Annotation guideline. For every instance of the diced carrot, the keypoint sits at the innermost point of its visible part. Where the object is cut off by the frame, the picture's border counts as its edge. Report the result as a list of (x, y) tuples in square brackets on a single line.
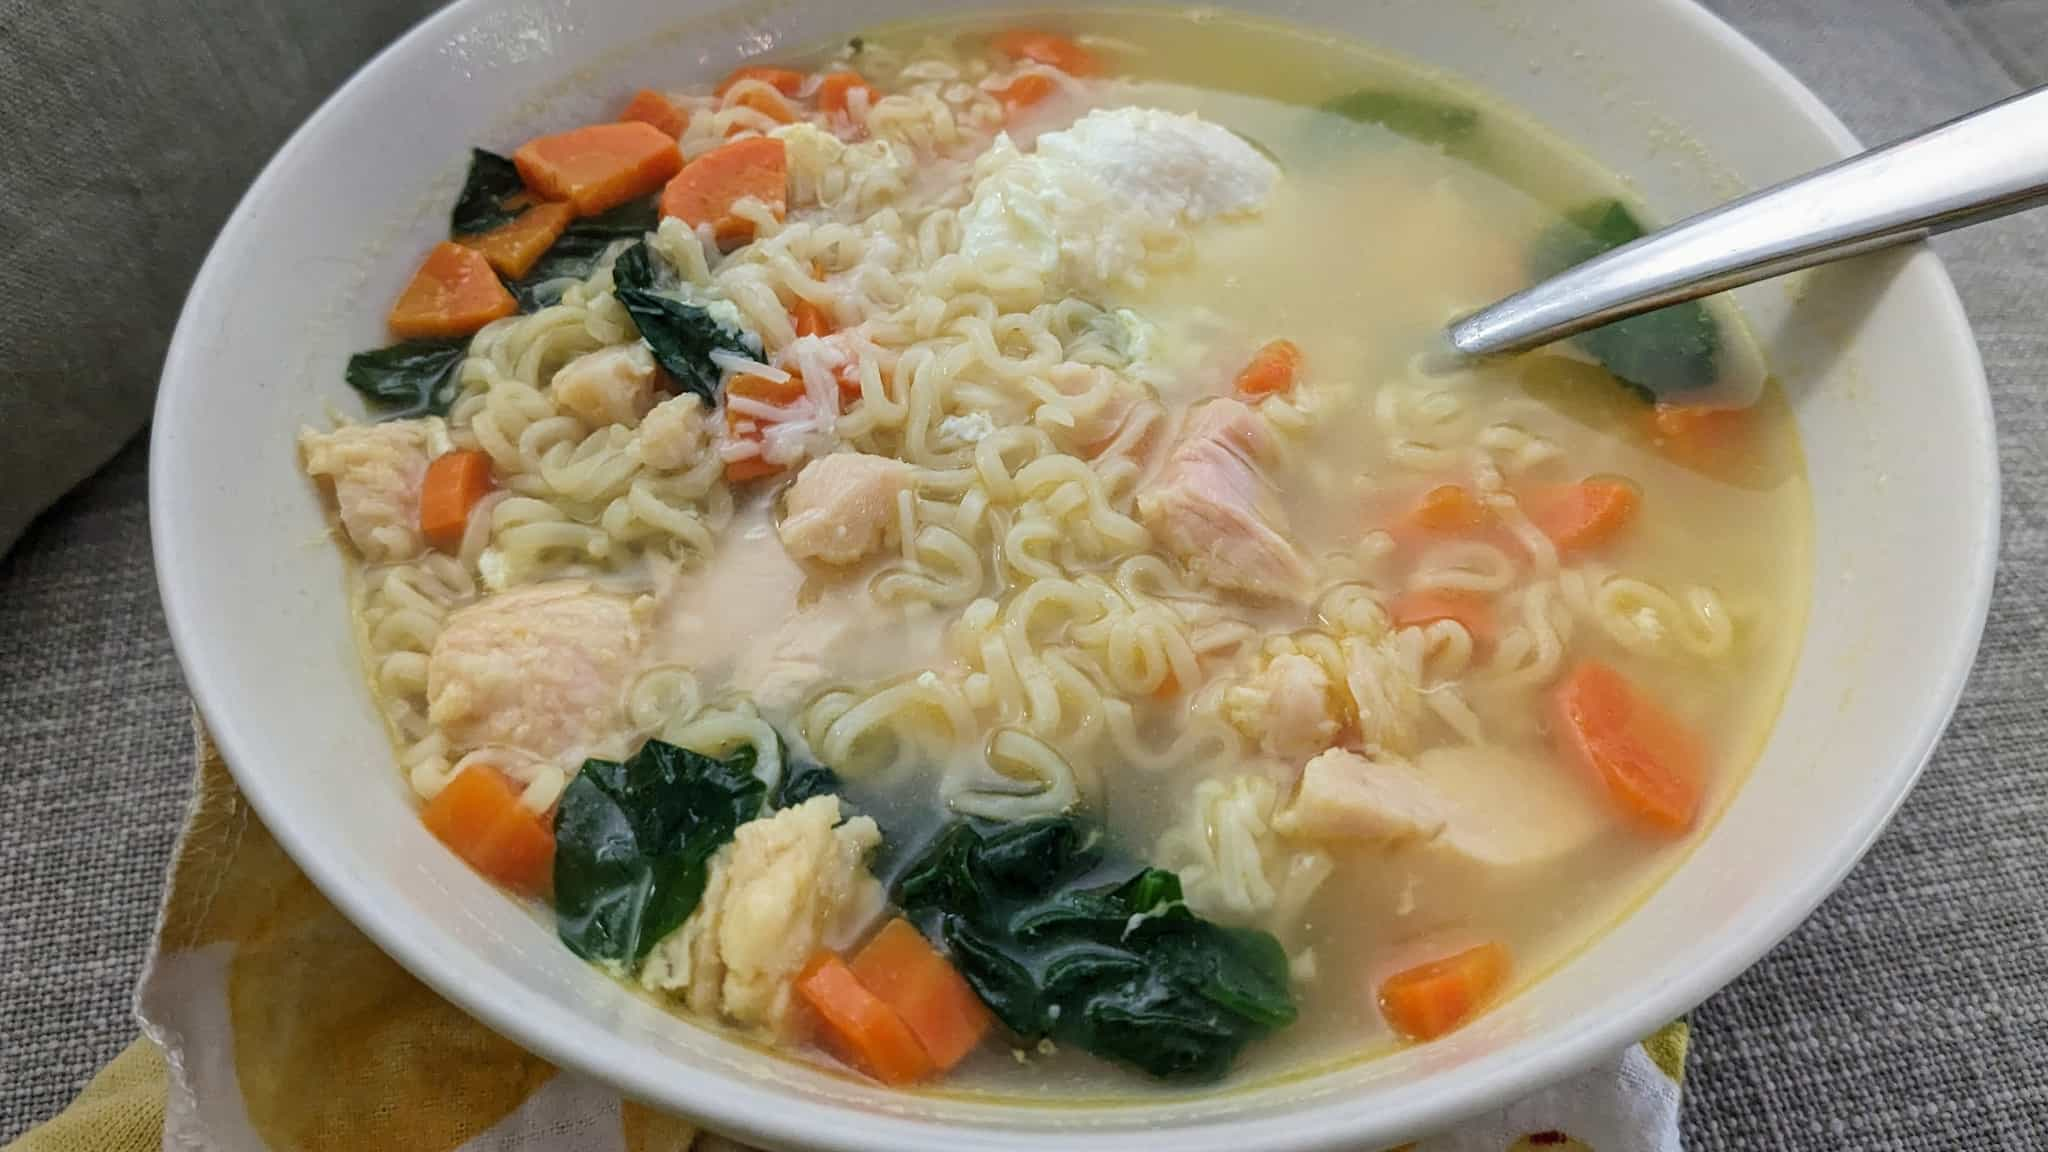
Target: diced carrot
[(479, 817), (1448, 510), (739, 426), (751, 468), (512, 248), (1428, 1000), (453, 294), (760, 389), (1583, 515), (1650, 765), (858, 1027), (1705, 439), (1427, 606), (1025, 91), (809, 319), (1272, 370), (707, 188), (902, 968), (1047, 48), (847, 375), (651, 107), (599, 166), (767, 104), (780, 393), (455, 481), (836, 89), (784, 80)]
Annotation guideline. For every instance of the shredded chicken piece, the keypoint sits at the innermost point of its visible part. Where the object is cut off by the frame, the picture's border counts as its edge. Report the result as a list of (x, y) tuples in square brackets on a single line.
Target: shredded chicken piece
[(608, 386), (542, 669), (1300, 716), (781, 890), (840, 508), (1384, 695), (672, 435), (1214, 506), (1344, 796), (1474, 806), (376, 470)]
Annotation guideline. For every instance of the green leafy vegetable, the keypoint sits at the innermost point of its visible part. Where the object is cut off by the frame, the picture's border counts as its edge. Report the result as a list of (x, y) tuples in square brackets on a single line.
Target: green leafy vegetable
[(414, 378), (1419, 118), (575, 254), (682, 335), (551, 275), (1057, 946), (1672, 350), (626, 222), (492, 195), (570, 260), (802, 780), (634, 841)]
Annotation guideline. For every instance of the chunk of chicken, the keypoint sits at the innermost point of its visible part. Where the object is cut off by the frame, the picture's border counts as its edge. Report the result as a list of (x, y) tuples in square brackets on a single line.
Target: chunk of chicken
[(1300, 714), (1470, 805), (787, 885), (376, 471), (672, 436), (609, 386), (745, 618), (1214, 506), (781, 667), (1385, 695), (542, 669), (1342, 796), (841, 506)]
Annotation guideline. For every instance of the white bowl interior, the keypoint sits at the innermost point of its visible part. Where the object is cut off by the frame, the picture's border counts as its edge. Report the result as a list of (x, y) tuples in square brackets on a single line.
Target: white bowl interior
[(1878, 357)]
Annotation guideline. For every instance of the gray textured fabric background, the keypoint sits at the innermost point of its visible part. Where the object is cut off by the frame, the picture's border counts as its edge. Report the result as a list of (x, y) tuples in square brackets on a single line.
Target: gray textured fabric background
[(143, 123), (1911, 1012)]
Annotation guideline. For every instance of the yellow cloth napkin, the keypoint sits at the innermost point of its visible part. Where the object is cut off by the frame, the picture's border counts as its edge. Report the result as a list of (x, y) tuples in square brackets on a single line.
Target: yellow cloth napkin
[(272, 1025)]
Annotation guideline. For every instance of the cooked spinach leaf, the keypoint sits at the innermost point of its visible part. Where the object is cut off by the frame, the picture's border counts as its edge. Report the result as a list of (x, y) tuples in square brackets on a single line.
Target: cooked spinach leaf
[(1419, 118), (550, 276), (626, 222), (682, 335), (802, 780), (491, 195), (1669, 351), (571, 259), (1057, 946), (636, 270), (634, 841), (575, 254), (415, 378)]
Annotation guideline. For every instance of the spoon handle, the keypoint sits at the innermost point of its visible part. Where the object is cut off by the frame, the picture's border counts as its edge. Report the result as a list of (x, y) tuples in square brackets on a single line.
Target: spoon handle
[(1981, 166)]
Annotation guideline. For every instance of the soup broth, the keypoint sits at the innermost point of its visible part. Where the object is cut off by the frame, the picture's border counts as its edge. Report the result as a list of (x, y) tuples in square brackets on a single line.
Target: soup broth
[(1049, 448)]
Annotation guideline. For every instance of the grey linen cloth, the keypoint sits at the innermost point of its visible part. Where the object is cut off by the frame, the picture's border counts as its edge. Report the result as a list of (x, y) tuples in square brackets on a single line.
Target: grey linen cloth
[(132, 129), (1909, 1013)]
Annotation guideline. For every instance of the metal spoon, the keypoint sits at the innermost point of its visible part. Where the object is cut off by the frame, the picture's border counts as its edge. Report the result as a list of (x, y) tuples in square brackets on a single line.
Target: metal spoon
[(1981, 166)]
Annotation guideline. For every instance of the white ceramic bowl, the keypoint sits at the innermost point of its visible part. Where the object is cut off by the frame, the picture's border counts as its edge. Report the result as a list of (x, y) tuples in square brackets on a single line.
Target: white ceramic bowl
[(1891, 404)]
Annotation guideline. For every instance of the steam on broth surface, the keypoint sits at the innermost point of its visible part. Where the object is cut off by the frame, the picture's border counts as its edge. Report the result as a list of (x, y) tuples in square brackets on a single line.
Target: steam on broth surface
[(939, 554)]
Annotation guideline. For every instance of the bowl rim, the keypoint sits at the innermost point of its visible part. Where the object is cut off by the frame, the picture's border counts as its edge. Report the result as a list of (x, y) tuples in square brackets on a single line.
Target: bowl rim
[(775, 1117)]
